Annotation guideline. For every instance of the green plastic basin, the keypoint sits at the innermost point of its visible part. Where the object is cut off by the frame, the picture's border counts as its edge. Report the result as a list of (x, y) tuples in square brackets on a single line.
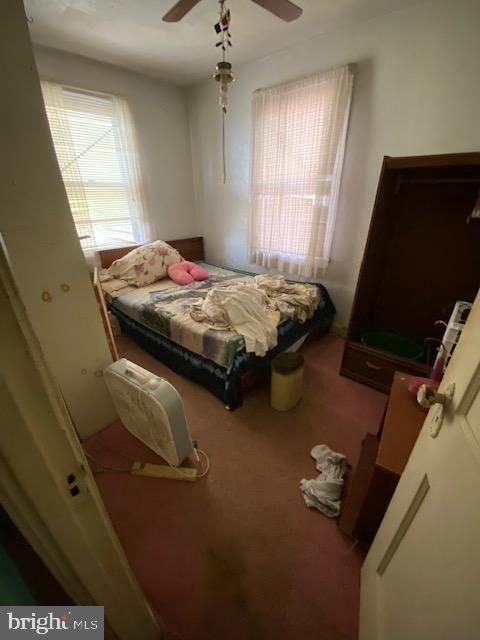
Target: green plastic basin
[(393, 343)]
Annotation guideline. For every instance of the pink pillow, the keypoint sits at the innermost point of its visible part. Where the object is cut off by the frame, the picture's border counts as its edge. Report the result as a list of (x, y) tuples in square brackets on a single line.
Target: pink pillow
[(186, 272)]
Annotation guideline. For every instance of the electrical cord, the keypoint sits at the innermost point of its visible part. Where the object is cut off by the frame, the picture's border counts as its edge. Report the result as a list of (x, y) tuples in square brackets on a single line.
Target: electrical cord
[(207, 463), (108, 468), (105, 468)]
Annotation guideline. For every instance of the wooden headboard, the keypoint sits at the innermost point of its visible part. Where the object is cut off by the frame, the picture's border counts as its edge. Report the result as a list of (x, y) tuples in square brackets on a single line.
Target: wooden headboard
[(190, 249)]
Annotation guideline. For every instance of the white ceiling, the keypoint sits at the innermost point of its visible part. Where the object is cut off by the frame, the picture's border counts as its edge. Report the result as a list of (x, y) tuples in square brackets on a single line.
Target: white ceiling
[(130, 33)]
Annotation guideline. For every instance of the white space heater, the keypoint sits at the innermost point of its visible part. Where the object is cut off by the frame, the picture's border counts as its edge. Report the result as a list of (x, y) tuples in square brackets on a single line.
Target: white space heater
[(151, 409)]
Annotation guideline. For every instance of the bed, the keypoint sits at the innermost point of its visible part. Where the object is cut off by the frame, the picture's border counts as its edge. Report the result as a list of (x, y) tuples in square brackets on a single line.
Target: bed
[(157, 318)]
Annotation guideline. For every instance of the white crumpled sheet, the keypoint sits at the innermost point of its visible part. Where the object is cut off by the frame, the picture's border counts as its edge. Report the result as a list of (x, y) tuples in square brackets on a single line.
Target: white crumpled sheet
[(324, 491)]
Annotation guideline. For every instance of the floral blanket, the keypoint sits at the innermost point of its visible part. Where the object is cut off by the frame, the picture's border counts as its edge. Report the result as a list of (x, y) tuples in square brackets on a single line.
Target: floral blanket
[(157, 318), (165, 307)]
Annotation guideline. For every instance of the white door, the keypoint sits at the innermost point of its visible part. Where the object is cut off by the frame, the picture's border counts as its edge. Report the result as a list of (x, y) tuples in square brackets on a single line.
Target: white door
[(47, 487), (421, 577)]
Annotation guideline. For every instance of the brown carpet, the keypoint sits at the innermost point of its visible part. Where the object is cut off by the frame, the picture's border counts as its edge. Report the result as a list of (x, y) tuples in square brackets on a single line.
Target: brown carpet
[(238, 555)]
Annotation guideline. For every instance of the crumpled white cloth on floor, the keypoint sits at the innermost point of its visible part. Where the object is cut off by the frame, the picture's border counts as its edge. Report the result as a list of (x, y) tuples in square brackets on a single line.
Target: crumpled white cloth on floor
[(324, 491)]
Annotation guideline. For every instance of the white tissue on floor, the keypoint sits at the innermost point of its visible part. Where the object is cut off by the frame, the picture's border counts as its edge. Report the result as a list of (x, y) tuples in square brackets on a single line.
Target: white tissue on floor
[(324, 492)]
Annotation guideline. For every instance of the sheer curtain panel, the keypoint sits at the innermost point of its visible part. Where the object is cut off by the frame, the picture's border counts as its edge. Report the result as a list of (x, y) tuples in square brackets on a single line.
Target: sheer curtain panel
[(298, 141), (96, 151)]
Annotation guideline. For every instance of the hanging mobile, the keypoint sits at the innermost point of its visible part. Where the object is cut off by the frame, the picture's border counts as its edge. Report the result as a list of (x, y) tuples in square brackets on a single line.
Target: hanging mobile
[(223, 71)]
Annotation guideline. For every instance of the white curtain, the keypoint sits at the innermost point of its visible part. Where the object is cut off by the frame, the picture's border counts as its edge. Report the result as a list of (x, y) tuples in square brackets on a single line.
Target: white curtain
[(298, 140), (96, 151)]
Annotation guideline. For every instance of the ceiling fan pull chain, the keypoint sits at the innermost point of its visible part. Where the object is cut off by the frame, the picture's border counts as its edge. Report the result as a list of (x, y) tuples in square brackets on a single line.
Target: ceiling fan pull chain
[(223, 72), (224, 161)]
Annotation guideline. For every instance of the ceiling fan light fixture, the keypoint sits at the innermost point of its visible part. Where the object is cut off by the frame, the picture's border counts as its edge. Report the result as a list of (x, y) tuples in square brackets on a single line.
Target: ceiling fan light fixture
[(224, 76), (284, 9), (223, 71)]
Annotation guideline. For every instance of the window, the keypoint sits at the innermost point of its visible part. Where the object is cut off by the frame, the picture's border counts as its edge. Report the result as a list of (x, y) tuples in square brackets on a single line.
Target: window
[(298, 140), (93, 139)]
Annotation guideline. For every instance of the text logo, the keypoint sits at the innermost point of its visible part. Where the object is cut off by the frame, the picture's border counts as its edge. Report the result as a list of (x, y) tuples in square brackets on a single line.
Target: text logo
[(57, 622)]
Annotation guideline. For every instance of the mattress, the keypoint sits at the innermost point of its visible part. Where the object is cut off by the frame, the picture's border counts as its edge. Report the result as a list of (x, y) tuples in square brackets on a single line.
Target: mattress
[(164, 307), (144, 315)]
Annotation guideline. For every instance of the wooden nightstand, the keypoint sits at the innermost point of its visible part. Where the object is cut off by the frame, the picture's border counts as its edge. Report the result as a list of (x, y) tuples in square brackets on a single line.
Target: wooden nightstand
[(382, 461)]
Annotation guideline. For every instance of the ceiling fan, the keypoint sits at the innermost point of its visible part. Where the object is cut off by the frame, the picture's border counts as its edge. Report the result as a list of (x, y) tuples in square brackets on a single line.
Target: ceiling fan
[(284, 9)]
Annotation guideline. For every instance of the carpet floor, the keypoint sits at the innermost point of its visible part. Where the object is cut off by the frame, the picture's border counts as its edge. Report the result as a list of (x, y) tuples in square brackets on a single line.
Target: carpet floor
[(237, 555)]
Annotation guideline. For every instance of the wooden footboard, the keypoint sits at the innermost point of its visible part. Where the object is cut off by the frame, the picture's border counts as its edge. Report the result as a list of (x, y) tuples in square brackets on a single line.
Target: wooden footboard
[(104, 313)]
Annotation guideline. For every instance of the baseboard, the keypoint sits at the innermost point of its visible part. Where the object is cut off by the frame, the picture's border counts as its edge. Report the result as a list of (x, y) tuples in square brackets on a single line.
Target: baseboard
[(339, 330)]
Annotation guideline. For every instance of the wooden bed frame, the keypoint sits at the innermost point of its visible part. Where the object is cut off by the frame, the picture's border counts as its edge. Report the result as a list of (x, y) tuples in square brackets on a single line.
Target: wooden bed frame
[(190, 249)]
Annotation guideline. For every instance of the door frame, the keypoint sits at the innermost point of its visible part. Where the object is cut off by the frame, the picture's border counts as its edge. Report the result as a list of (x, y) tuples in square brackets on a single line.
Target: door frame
[(39, 450)]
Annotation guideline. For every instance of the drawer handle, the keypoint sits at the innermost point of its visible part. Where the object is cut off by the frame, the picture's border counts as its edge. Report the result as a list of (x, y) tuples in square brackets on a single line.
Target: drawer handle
[(375, 367)]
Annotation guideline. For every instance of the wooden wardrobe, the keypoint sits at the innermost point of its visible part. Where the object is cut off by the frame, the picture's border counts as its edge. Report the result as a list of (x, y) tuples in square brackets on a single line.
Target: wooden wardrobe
[(422, 255)]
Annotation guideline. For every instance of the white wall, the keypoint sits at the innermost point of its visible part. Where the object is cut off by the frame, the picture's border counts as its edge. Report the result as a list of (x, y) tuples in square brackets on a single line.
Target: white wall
[(41, 240), (417, 91), (159, 111)]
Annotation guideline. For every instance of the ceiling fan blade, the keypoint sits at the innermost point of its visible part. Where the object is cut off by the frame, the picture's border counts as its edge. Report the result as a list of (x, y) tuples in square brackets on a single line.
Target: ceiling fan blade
[(179, 10), (284, 9)]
